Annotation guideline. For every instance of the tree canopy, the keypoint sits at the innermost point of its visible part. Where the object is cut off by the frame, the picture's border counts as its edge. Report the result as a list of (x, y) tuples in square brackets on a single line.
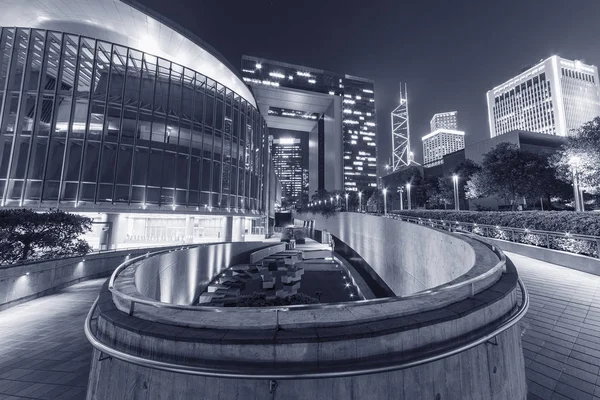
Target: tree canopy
[(29, 235), (582, 154)]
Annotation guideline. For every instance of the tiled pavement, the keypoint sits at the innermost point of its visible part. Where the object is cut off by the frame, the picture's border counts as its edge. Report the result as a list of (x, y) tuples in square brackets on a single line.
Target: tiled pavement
[(44, 353), (561, 342)]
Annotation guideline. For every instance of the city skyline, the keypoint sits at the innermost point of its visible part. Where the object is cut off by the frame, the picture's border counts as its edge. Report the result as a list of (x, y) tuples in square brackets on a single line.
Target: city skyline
[(452, 57)]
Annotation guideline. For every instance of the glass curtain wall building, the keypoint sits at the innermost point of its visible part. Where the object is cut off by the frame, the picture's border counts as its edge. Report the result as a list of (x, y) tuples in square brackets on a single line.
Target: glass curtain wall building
[(138, 118), (554, 97)]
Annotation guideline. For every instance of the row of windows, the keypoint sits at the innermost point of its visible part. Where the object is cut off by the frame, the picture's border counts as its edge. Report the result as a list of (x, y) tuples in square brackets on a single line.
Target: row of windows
[(83, 116), (578, 75)]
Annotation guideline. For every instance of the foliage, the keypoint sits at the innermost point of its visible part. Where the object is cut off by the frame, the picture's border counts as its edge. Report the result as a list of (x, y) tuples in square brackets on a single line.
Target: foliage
[(511, 173), (562, 222), (465, 171), (438, 191), (29, 235), (322, 203), (582, 152), (375, 201), (258, 299), (584, 223)]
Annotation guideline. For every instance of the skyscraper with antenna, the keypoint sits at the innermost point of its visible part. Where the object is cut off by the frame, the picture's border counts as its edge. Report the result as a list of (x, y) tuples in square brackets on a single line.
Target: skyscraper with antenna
[(401, 132)]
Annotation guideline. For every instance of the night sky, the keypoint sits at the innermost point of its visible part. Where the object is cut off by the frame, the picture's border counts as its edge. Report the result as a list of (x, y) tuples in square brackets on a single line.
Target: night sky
[(449, 52)]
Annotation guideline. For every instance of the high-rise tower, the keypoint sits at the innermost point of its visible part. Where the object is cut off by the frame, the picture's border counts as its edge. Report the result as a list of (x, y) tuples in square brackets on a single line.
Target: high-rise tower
[(401, 132)]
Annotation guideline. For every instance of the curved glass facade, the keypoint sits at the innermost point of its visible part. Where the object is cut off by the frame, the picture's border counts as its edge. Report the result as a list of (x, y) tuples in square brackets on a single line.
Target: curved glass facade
[(88, 123)]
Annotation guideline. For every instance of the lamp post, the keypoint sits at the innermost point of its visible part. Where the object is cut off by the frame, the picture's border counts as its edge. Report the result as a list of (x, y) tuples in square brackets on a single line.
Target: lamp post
[(574, 162), (359, 201), (401, 191), (337, 200), (347, 202), (384, 201), (408, 195), (455, 181)]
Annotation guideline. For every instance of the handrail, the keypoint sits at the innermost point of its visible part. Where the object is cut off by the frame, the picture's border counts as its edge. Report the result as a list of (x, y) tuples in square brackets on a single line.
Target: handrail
[(512, 230), (137, 300), (336, 372)]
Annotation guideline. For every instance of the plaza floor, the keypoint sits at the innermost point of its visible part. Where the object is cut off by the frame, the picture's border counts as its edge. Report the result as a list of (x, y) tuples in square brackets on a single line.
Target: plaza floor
[(44, 353)]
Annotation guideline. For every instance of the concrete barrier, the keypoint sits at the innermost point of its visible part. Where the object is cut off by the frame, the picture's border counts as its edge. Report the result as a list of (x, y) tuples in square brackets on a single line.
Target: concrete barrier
[(408, 257), (563, 258), (24, 282), (301, 342)]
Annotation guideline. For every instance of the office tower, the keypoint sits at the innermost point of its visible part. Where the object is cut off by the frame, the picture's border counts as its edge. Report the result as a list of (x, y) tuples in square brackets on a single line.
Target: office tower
[(336, 111), (439, 143), (555, 97), (446, 120), (288, 152), (401, 154)]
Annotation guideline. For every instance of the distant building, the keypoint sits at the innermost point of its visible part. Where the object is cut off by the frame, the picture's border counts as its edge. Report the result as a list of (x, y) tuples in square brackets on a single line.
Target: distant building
[(446, 120), (554, 97), (288, 152), (439, 143), (335, 111)]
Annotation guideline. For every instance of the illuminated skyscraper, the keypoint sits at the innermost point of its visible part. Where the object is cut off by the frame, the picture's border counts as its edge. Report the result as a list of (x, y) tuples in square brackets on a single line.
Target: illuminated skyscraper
[(555, 97), (288, 152), (337, 111), (446, 120)]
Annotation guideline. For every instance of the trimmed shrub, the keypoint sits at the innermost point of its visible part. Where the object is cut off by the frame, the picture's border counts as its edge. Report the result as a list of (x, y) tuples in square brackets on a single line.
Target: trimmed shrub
[(560, 222)]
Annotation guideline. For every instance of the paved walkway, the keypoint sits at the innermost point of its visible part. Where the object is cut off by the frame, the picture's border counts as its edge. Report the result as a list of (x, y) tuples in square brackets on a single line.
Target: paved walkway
[(561, 342), (43, 351)]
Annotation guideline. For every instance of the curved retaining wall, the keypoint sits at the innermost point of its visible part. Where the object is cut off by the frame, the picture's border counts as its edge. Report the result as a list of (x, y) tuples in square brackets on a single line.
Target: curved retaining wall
[(23, 282), (281, 350), (407, 257), (180, 277)]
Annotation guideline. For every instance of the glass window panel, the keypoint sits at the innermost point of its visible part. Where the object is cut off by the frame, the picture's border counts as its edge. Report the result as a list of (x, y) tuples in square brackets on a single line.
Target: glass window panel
[(37, 158), (36, 54), (86, 60), (121, 193), (44, 115), (113, 121), (55, 159), (138, 194), (90, 161), (206, 170), (28, 113), (195, 173), (108, 163), (69, 191), (33, 190), (79, 118), (105, 192), (168, 169), (193, 197), (140, 165), (152, 195), (99, 87), (88, 192), (17, 68), (73, 160), (6, 46), (53, 48), (69, 62), (216, 187), (10, 113), (63, 115), (182, 171), (51, 189), (124, 164), (155, 168), (219, 120), (209, 117)]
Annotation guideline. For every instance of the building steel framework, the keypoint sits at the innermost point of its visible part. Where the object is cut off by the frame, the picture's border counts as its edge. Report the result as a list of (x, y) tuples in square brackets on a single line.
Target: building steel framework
[(401, 132)]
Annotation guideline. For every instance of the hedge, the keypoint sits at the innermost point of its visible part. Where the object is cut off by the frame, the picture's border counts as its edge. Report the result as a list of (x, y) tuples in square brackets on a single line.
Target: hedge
[(583, 223)]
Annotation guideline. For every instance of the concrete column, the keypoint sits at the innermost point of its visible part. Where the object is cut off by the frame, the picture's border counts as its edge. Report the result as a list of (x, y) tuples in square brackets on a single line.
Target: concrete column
[(189, 229), (228, 229), (116, 232)]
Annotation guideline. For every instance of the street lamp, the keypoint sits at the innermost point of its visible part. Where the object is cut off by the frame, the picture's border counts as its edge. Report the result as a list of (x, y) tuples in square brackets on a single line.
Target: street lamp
[(408, 195), (574, 163), (384, 201), (359, 201), (337, 200), (347, 201), (401, 191), (455, 181)]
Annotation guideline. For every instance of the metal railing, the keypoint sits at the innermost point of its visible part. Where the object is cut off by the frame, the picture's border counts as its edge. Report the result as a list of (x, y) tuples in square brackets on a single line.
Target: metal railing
[(552, 240), (261, 372)]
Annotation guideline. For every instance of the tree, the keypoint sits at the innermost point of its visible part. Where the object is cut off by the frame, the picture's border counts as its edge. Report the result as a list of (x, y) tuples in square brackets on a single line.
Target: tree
[(375, 201), (581, 153), (478, 186), (465, 170), (26, 235), (438, 191)]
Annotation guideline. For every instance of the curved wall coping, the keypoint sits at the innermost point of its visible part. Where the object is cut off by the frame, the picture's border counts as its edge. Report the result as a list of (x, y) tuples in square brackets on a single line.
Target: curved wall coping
[(490, 263)]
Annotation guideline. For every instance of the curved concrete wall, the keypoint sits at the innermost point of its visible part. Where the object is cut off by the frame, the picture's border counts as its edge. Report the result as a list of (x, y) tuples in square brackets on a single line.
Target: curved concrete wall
[(23, 282), (180, 277), (352, 336), (408, 257)]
